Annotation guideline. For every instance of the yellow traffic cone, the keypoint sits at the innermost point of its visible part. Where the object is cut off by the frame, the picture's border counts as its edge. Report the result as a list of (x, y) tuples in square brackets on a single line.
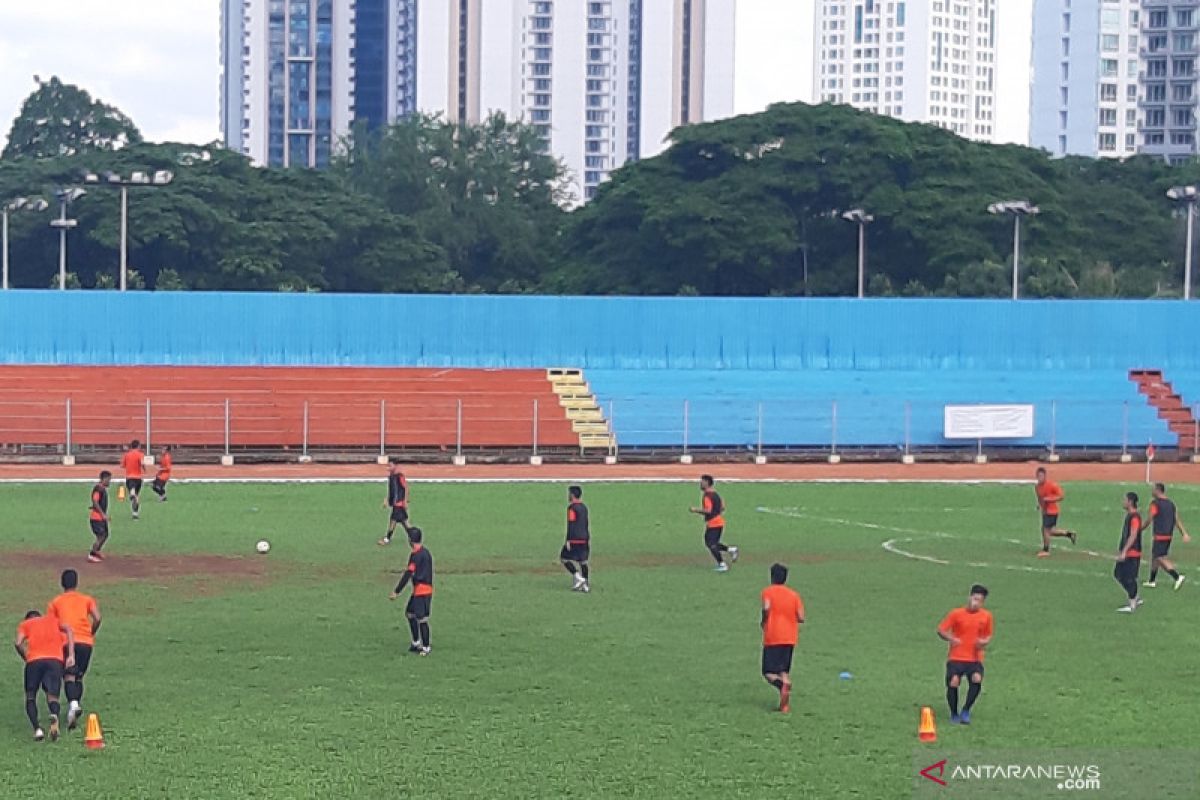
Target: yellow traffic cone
[(121, 493), (927, 730), (93, 738)]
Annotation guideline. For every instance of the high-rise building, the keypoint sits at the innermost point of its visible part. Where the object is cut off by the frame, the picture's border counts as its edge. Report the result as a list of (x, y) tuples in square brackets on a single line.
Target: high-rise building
[(1084, 99), (1170, 52), (602, 81), (929, 61)]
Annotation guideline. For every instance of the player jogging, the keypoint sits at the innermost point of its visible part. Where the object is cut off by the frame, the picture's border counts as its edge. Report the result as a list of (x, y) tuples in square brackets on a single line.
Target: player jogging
[(81, 614), (420, 572), (39, 643), (131, 462), (1049, 495), (1164, 518), (163, 475), (397, 500), (712, 508), (969, 632), (1129, 554), (782, 616), (98, 515), (575, 552)]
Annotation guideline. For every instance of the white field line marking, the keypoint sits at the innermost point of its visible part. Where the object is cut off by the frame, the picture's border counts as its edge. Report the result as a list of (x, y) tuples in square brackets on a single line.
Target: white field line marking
[(613, 479)]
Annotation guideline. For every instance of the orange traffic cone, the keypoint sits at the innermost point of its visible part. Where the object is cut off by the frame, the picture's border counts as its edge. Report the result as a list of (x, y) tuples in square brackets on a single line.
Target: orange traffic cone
[(120, 493), (93, 738), (927, 730)]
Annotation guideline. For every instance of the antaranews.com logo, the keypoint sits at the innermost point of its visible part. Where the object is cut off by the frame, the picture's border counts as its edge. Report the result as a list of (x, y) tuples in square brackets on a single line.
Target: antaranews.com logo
[(1065, 777)]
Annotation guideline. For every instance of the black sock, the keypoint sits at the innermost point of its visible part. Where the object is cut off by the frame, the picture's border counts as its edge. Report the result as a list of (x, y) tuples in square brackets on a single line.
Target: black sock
[(777, 683), (952, 699), (74, 691), (570, 567), (972, 695), (1173, 573), (412, 626), (31, 711), (54, 707), (1153, 574), (716, 553), (425, 634), (722, 547), (583, 570)]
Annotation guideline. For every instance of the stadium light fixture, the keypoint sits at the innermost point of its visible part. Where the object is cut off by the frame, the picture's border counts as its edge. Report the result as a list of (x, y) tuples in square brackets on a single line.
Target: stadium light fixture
[(140, 178), (862, 219), (65, 196), (16, 204), (1187, 195), (1018, 209)]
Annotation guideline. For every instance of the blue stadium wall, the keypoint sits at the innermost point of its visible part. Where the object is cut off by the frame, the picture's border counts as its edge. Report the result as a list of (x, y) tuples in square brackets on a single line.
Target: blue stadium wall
[(98, 327)]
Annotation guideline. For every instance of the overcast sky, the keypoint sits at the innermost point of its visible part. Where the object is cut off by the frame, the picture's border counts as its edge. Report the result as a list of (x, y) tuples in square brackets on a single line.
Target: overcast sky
[(158, 60)]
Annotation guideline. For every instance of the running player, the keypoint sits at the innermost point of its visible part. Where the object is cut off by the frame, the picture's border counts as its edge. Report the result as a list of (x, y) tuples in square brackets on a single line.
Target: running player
[(81, 614), (575, 552), (397, 500), (1129, 554), (1049, 495), (40, 644), (131, 462), (98, 516), (420, 572), (969, 632), (163, 475), (712, 508), (782, 616), (1165, 518)]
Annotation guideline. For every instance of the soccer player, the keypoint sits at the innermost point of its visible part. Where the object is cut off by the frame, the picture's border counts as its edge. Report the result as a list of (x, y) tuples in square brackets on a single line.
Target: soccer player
[(163, 475), (1129, 554), (712, 508), (397, 500), (39, 643), (99, 516), (969, 632), (1165, 519), (1049, 495), (420, 572), (575, 552), (782, 616), (131, 462), (81, 614)]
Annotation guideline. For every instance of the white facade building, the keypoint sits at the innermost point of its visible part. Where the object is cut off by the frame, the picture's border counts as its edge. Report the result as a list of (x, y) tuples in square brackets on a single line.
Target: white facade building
[(929, 61)]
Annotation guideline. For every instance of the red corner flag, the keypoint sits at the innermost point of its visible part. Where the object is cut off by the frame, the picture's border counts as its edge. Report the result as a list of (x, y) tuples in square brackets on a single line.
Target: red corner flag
[(1150, 452)]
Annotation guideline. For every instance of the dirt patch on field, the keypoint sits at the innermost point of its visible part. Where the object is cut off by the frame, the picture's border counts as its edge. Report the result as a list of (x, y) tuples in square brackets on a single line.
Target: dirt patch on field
[(637, 561), (195, 574)]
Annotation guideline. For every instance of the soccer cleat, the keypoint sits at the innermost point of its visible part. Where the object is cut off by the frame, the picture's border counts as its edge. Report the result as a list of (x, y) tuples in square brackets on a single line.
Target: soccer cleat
[(73, 713), (578, 583), (785, 698), (733, 554), (424, 651), (955, 719), (1126, 609), (964, 718), (53, 728), (1073, 536), (1137, 602), (94, 559), (384, 542), (722, 567), (415, 647), (1179, 581), (1043, 553), (1150, 584), (39, 735), (585, 587)]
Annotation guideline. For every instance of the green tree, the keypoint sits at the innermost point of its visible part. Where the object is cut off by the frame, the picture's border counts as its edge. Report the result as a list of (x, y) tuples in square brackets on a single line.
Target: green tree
[(60, 119)]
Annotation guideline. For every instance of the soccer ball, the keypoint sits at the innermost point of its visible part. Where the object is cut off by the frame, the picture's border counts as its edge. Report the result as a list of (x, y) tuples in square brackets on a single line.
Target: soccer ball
[(263, 547)]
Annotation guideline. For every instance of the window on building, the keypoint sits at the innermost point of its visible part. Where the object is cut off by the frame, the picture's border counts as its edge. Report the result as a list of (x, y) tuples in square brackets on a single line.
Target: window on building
[(1183, 67), (1130, 142), (1108, 142), (1181, 92), (1109, 43), (1110, 18), (1130, 117), (1108, 117), (1108, 92), (1184, 18), (1131, 92), (1157, 19), (1182, 118), (1108, 67), (1184, 42)]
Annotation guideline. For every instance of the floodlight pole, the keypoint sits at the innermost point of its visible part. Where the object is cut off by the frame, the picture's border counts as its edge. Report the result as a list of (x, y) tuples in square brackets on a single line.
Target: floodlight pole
[(1016, 279)]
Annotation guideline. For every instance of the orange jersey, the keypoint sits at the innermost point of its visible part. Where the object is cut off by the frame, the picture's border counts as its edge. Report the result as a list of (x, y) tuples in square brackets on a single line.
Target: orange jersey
[(968, 627), (164, 468), (714, 510), (131, 462), (1048, 495), (74, 608), (43, 638), (784, 610)]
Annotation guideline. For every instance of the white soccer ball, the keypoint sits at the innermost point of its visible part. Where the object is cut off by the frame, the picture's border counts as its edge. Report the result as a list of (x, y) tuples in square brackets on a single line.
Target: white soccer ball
[(263, 546)]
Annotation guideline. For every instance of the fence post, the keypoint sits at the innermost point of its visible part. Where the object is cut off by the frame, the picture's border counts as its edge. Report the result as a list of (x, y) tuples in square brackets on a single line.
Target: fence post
[(834, 458), (383, 431), (1125, 457), (1196, 434), (458, 456), (227, 458), (759, 458), (68, 459), (535, 459), (304, 457), (907, 458), (147, 425), (611, 458), (1053, 431), (686, 458)]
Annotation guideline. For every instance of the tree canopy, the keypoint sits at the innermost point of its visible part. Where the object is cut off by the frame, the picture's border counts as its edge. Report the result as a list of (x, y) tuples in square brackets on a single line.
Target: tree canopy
[(60, 119)]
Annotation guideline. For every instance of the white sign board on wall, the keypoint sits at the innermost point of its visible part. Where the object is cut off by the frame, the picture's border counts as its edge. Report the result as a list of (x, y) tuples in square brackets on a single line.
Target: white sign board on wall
[(989, 422)]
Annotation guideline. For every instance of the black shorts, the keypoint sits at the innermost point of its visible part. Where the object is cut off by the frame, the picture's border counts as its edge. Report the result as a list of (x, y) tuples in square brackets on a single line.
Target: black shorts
[(99, 527), (712, 536), (1127, 569), (575, 552), (399, 514), (1049, 521), (45, 674), (159, 484), (419, 607), (1161, 549), (133, 484), (777, 658), (963, 669), (83, 658)]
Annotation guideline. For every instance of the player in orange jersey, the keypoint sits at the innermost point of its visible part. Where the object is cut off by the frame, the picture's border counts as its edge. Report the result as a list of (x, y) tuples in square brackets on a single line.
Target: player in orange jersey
[(165, 462), (45, 644), (969, 632), (1049, 495), (132, 462), (782, 616), (712, 508), (81, 614)]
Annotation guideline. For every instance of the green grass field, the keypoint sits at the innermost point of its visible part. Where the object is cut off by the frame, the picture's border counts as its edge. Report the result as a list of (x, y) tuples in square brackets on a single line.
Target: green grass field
[(296, 682)]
